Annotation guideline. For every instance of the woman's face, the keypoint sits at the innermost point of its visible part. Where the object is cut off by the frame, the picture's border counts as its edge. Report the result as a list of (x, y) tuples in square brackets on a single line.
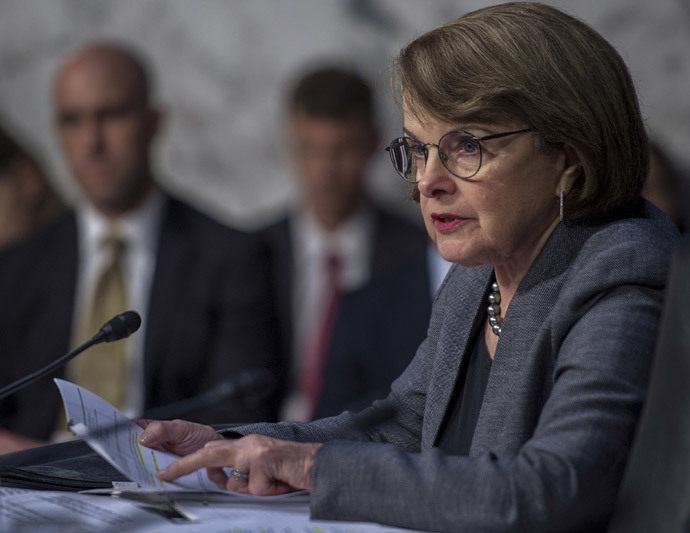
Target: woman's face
[(502, 215)]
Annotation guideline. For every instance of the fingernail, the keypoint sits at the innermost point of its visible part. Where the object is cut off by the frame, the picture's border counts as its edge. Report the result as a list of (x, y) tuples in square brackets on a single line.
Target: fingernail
[(144, 438), (161, 473)]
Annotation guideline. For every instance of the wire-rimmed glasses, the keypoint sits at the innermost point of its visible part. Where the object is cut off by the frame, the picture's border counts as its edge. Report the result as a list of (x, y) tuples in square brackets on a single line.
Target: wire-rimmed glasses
[(459, 151)]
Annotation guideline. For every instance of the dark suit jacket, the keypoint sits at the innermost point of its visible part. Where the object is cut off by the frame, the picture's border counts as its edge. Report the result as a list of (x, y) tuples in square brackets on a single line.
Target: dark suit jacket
[(395, 241), (377, 333), (210, 315), (563, 397)]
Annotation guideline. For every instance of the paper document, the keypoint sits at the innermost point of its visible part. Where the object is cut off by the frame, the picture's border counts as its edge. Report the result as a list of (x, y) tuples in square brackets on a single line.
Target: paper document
[(33, 511), (116, 438), (23, 510)]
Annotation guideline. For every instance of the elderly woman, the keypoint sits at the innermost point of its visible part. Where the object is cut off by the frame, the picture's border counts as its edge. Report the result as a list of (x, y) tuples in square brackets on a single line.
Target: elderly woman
[(523, 135)]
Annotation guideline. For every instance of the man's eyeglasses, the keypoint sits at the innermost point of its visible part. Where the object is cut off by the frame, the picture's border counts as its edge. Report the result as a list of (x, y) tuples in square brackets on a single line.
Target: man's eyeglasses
[(459, 151)]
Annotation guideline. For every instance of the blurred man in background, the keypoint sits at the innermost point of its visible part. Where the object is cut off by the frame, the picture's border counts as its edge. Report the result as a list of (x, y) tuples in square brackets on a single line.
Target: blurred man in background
[(200, 287), (337, 238), (379, 328), (27, 200)]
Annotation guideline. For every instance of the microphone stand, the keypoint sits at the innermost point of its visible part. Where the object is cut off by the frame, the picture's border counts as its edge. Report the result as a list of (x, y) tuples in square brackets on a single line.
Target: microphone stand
[(118, 327), (21, 383)]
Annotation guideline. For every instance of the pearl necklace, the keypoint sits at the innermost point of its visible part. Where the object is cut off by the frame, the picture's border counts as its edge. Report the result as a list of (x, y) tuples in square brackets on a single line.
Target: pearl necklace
[(494, 309)]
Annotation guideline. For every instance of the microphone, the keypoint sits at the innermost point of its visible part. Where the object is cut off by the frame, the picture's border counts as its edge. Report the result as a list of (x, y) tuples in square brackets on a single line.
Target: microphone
[(118, 327), (243, 384)]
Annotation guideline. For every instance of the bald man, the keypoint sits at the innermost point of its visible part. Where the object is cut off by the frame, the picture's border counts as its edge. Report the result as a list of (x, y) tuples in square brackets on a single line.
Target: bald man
[(199, 286)]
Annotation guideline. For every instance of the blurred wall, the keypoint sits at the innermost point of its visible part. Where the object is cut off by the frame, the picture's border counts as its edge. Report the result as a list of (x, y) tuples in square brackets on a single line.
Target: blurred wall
[(221, 68)]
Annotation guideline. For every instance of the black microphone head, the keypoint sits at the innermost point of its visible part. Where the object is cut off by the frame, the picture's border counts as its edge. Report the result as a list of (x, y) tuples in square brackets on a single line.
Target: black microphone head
[(119, 327)]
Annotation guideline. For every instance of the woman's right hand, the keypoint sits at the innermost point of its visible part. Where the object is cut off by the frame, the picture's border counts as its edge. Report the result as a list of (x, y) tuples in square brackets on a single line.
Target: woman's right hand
[(176, 436)]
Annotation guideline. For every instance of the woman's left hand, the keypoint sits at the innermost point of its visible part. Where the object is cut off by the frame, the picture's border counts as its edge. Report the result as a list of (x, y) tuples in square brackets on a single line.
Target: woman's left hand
[(273, 466)]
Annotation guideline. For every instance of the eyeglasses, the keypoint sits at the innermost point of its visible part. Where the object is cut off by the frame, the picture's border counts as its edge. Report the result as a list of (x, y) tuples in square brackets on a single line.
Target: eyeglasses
[(459, 151)]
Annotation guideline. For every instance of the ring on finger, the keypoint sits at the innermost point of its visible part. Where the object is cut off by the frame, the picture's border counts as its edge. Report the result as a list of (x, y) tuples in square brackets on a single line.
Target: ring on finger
[(239, 475)]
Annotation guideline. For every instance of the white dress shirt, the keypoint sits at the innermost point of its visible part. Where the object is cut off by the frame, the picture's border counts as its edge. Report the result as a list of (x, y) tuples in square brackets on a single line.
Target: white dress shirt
[(140, 229)]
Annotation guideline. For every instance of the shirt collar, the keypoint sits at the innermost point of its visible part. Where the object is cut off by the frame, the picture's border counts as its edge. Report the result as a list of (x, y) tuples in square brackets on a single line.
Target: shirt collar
[(344, 239), (139, 227)]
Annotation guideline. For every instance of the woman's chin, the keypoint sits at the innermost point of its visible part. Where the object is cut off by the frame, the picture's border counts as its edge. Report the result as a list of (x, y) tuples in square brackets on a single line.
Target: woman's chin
[(454, 255)]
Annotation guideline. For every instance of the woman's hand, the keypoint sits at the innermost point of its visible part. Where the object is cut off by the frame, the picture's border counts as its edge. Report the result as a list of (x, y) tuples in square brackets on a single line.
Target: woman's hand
[(273, 466), (177, 436)]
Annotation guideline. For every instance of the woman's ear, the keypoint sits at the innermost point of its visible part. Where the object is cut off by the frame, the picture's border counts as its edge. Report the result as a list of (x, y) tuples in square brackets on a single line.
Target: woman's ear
[(572, 170)]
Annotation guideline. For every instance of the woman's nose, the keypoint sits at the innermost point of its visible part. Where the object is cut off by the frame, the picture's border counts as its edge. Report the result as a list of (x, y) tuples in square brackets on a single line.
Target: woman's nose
[(435, 178)]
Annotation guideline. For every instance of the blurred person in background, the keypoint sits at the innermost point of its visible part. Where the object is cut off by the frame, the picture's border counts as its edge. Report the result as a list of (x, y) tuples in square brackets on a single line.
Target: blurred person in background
[(378, 331), (27, 200), (201, 288), (337, 238)]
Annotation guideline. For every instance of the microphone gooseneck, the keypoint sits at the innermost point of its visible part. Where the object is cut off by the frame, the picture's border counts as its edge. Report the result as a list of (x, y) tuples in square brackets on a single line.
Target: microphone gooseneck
[(119, 327)]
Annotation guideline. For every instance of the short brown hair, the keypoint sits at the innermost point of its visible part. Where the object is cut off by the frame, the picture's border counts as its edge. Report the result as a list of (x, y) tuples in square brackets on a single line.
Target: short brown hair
[(332, 92), (533, 64)]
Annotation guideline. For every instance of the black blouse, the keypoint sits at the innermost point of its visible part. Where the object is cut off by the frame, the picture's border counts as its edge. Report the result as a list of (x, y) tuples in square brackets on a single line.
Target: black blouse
[(461, 418)]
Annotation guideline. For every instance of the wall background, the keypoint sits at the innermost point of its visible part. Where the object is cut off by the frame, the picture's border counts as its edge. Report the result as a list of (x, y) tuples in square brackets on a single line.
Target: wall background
[(221, 68)]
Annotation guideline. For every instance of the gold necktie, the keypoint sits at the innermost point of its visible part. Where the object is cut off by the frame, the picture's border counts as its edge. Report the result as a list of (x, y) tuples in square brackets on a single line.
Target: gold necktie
[(102, 369)]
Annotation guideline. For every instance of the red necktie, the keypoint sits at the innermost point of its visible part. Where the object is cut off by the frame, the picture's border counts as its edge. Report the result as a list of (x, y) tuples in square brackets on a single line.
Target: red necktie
[(311, 376)]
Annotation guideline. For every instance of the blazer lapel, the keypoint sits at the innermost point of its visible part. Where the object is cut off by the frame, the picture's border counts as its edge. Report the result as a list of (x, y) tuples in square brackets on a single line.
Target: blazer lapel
[(519, 358), (464, 304), (168, 273)]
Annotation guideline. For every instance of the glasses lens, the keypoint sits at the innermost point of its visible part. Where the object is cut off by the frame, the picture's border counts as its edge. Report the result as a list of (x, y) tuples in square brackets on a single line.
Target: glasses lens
[(460, 153), (404, 158)]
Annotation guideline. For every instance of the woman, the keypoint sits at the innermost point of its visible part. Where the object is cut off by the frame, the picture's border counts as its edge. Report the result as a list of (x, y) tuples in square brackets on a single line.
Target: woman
[(523, 134)]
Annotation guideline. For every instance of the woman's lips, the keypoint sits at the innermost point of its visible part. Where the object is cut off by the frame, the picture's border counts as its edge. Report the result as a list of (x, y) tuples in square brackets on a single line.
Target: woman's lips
[(446, 221)]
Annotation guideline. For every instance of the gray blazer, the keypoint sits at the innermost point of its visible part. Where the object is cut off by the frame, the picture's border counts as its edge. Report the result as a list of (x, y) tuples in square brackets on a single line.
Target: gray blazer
[(565, 390)]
